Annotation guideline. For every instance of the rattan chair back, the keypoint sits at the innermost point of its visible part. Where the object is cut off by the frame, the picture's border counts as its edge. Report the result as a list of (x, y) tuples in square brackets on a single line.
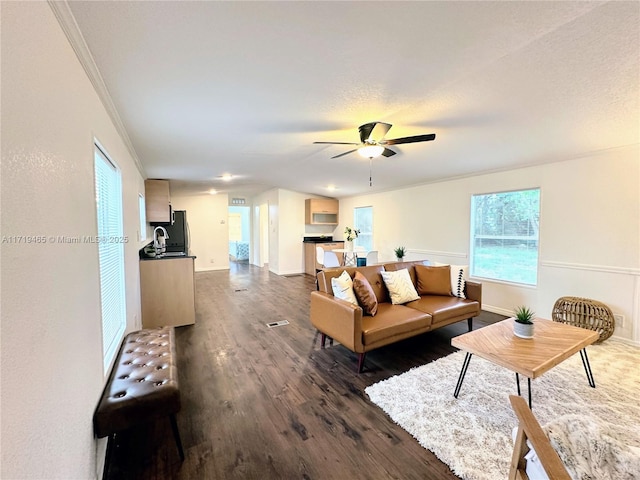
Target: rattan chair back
[(585, 313)]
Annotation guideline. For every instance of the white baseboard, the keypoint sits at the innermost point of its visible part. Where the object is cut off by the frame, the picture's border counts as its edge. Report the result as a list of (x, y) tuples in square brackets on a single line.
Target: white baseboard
[(210, 269), (498, 310)]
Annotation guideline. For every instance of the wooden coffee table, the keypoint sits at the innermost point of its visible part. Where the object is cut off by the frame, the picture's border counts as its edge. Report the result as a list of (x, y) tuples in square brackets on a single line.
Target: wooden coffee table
[(552, 343)]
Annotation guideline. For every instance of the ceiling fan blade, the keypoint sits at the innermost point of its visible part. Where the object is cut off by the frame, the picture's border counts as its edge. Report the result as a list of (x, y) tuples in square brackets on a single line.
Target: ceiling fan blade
[(388, 152), (336, 143), (345, 153), (414, 139), (373, 131)]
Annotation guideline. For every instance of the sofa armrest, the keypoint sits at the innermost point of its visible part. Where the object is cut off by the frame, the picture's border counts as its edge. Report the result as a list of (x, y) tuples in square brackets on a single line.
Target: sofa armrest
[(473, 291), (339, 319)]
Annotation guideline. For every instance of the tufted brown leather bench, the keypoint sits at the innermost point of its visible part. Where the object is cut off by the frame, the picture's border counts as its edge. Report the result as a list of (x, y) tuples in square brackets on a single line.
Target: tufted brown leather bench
[(142, 387)]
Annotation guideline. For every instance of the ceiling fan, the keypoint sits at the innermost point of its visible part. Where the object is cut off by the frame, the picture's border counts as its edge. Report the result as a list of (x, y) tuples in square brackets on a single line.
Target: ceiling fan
[(373, 144)]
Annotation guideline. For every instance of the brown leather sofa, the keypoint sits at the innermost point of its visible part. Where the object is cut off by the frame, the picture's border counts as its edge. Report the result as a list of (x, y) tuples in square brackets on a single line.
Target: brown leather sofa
[(346, 323)]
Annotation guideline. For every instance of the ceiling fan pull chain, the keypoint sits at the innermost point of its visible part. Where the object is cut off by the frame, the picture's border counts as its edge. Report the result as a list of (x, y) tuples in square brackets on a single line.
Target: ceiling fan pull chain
[(370, 182)]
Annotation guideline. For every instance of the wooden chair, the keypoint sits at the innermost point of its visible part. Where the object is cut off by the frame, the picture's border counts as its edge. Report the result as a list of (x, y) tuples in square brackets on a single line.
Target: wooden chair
[(529, 429)]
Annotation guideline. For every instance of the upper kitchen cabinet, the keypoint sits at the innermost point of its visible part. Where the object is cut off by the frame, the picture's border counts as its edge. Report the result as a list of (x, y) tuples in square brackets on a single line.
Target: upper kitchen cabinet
[(158, 201), (321, 211)]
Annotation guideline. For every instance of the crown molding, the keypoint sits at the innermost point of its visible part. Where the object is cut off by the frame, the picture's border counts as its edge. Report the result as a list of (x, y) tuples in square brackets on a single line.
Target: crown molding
[(70, 28)]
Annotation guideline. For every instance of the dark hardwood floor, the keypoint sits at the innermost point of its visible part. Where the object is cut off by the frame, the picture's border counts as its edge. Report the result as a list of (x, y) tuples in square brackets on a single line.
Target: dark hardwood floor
[(268, 403)]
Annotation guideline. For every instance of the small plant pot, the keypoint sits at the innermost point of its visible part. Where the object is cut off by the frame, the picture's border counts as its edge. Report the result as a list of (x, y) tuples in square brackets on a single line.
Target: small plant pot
[(523, 330), (399, 259)]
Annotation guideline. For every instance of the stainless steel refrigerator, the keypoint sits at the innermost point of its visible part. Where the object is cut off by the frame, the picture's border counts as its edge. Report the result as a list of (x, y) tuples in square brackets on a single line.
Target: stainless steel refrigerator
[(178, 231)]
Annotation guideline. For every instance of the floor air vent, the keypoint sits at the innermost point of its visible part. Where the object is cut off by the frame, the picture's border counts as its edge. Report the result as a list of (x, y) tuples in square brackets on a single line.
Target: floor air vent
[(278, 324)]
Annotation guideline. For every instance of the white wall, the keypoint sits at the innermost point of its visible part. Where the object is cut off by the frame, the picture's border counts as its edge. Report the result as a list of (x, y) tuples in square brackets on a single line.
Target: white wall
[(589, 230), (292, 230), (51, 348), (209, 228), (286, 230), (270, 199)]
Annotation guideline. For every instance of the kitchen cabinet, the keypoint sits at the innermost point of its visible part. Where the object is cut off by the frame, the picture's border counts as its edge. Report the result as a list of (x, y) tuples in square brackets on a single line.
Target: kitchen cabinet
[(158, 201), (167, 292), (310, 261), (321, 211)]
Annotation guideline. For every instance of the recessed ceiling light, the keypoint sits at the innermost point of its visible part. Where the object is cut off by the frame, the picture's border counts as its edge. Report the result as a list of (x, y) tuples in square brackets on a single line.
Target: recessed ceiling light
[(331, 188), (212, 191), (227, 177)]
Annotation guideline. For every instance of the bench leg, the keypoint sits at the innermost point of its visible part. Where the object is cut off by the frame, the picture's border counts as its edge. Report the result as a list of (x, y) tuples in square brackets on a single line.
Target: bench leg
[(176, 435), (107, 457)]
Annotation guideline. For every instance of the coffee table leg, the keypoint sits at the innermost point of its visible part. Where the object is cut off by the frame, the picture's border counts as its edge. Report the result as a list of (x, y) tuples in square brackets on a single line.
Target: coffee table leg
[(528, 385), (465, 365), (587, 367)]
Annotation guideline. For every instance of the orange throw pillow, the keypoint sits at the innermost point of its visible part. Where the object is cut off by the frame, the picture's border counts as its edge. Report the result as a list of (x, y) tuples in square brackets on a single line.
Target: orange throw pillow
[(365, 295), (433, 280)]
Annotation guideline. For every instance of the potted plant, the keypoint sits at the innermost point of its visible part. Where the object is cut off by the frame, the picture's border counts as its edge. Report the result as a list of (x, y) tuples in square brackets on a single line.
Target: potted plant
[(400, 251), (352, 234), (523, 324)]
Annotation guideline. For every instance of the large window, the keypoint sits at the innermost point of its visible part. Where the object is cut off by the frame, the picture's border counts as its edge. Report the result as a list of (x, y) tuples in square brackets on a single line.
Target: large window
[(111, 254), (363, 221), (504, 236)]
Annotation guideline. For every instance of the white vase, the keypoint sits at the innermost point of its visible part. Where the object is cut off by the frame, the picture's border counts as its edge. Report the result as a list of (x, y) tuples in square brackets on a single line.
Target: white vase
[(523, 330), (349, 246)]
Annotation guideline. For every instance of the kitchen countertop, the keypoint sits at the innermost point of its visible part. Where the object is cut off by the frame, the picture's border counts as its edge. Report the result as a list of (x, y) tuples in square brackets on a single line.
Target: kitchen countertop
[(319, 240), (168, 258)]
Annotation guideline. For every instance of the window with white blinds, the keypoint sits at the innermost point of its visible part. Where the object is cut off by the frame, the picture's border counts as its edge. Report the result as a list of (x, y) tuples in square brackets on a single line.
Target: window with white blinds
[(111, 252)]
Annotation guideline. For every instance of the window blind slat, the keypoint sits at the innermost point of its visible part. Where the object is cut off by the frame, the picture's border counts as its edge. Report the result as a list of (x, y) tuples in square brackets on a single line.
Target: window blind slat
[(111, 254)]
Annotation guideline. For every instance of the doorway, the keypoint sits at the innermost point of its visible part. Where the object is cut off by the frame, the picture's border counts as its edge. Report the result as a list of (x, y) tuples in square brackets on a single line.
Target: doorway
[(239, 234)]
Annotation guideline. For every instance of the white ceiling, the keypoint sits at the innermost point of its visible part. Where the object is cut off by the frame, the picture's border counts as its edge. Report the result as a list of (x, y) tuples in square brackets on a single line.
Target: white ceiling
[(207, 88)]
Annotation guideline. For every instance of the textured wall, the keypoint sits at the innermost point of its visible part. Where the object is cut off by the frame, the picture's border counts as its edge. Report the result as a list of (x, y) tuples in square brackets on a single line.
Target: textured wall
[(589, 230), (207, 216), (52, 372)]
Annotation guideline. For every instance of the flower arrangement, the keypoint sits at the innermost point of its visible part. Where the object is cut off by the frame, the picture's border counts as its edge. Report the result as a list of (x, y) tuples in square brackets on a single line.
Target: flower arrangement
[(351, 233)]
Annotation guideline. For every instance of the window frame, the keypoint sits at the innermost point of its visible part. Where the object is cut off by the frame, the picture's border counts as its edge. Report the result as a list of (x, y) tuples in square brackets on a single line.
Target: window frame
[(506, 259), (358, 242), (110, 243), (142, 212)]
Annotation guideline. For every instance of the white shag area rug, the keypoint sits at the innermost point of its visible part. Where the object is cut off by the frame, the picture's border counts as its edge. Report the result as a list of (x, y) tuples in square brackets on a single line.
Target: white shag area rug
[(472, 434)]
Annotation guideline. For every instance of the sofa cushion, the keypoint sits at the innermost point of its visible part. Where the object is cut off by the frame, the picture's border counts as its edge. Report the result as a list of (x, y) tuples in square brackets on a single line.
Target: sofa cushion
[(365, 294), (343, 288), (400, 286), (459, 276), (370, 272), (392, 320), (443, 308), (433, 280), (395, 266)]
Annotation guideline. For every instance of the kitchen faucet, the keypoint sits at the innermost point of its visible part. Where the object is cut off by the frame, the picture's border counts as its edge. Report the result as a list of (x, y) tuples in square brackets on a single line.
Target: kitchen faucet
[(156, 243)]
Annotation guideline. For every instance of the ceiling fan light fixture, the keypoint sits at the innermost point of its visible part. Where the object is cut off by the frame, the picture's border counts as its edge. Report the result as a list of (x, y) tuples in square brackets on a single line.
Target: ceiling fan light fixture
[(371, 151)]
